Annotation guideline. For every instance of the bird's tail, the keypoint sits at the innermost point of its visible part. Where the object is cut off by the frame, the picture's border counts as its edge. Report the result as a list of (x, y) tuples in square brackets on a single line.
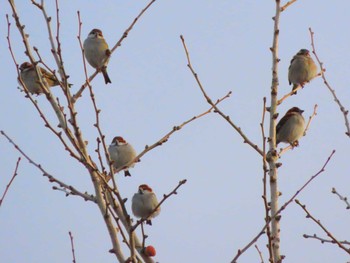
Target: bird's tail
[(127, 173), (105, 75), (295, 86)]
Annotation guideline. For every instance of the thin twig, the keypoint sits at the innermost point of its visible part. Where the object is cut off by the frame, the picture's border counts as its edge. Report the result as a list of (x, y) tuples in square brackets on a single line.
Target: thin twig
[(262, 231), (144, 236), (72, 245), (310, 119), (288, 95), (260, 254), (166, 137), (343, 198), (98, 151), (56, 51), (117, 220), (318, 222), (287, 4), (118, 44), (217, 110), (323, 240), (265, 171), (323, 70), (51, 178), (9, 184)]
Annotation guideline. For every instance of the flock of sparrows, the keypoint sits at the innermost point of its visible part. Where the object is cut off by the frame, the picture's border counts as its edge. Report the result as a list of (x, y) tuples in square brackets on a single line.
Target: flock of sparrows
[(302, 70), (289, 129), (144, 202), (96, 52)]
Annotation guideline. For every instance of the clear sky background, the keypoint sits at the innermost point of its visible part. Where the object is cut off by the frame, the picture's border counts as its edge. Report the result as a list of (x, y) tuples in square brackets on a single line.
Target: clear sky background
[(220, 208)]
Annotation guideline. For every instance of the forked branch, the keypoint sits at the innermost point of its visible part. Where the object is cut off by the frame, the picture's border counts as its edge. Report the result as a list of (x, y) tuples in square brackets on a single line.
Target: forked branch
[(262, 231), (318, 222), (210, 101)]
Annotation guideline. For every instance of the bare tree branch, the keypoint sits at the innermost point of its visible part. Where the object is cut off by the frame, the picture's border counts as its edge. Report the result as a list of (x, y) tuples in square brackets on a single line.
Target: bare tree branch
[(55, 49), (54, 103), (72, 190), (262, 231), (318, 222), (323, 70), (166, 137), (287, 5), (272, 157), (72, 246), (265, 171), (260, 254), (310, 119), (343, 198), (323, 240), (9, 184), (217, 110)]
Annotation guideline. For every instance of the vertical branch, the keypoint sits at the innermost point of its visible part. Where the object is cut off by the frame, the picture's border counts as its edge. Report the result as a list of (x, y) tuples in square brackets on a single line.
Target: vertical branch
[(132, 245), (265, 170), (272, 156), (283, 207), (107, 216), (72, 246)]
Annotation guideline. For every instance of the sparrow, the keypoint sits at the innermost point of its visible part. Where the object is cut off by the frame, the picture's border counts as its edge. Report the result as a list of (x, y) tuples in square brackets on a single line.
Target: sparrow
[(121, 154), (302, 69), (97, 52), (144, 202), (291, 127), (31, 80)]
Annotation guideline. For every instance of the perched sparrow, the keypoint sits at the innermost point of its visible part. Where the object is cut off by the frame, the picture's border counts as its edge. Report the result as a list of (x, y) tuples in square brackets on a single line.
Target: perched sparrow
[(97, 52), (144, 202), (302, 69), (31, 80), (121, 154), (291, 127)]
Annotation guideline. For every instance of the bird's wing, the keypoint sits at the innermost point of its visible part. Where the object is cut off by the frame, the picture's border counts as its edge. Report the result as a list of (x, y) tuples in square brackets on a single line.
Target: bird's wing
[(48, 75), (282, 122), (291, 62)]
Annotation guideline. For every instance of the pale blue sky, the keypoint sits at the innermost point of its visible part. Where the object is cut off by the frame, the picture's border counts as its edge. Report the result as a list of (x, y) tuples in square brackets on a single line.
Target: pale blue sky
[(220, 208)]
